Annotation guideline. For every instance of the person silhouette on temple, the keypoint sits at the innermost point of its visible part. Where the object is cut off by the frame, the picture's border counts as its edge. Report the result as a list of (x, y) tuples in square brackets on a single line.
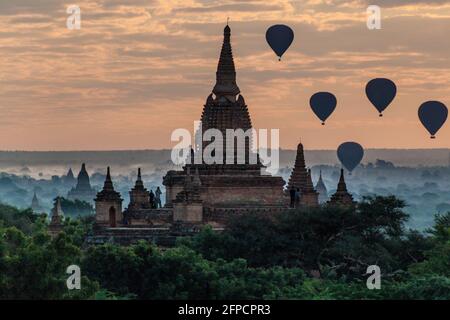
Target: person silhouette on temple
[(158, 198), (152, 199), (292, 195), (297, 198)]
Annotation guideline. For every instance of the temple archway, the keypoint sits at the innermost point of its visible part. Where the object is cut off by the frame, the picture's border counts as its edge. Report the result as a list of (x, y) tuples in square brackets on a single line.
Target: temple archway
[(112, 217)]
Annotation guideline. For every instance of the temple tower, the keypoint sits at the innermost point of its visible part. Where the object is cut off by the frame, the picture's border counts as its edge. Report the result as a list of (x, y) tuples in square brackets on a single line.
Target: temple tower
[(299, 174), (35, 205), (57, 215), (308, 195), (235, 183), (83, 190), (322, 189), (225, 108), (139, 195), (188, 206), (108, 205), (69, 178), (342, 197)]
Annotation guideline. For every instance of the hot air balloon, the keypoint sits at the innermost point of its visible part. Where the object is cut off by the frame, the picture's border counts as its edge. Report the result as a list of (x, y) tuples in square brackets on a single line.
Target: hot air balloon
[(279, 37), (433, 115), (381, 92), (323, 105), (350, 155)]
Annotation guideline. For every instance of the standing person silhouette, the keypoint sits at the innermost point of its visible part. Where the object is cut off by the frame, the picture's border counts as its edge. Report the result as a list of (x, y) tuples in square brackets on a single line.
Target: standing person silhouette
[(158, 198), (152, 199)]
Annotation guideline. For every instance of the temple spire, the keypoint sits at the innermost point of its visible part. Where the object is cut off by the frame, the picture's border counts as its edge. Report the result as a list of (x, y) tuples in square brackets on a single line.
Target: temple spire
[(226, 72), (108, 182), (321, 189), (342, 197), (57, 209), (342, 186), (139, 183), (299, 174)]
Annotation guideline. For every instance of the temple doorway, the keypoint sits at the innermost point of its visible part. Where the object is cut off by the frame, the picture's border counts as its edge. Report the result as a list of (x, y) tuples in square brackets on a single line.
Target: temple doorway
[(112, 217)]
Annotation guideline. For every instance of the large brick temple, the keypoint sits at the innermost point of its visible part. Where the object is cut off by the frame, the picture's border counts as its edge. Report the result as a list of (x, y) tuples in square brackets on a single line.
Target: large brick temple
[(203, 193), (222, 188)]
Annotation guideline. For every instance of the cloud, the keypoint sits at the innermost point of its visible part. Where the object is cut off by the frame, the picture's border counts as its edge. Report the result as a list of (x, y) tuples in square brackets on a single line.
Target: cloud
[(137, 62)]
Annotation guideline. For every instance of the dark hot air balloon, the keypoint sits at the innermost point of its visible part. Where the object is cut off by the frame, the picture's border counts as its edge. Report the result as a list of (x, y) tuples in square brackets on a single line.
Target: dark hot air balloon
[(433, 115), (279, 37), (350, 155), (323, 105), (381, 92)]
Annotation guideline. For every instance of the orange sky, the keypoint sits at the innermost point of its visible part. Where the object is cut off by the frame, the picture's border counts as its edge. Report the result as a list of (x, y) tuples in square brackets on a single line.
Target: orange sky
[(139, 69)]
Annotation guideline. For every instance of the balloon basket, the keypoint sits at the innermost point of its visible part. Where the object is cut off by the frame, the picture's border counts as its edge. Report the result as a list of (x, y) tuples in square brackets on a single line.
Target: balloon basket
[(323, 123), (380, 115), (433, 137)]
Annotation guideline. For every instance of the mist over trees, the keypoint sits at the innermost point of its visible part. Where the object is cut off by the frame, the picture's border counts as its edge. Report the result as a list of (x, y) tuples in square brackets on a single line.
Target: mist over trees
[(419, 177)]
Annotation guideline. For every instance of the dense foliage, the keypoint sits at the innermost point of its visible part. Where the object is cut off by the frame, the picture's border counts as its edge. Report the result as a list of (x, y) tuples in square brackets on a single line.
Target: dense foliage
[(76, 208), (320, 253)]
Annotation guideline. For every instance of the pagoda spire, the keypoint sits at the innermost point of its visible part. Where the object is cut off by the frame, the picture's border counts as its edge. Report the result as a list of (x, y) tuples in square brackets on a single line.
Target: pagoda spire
[(342, 186), (57, 209), (35, 206), (226, 72), (108, 182), (321, 189), (139, 195), (139, 185), (342, 197), (83, 178), (57, 215), (299, 174)]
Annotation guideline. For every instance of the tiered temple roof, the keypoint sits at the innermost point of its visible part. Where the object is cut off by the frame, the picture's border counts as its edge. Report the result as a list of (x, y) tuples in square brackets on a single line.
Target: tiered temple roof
[(299, 174), (139, 195), (108, 193), (57, 213), (224, 109), (342, 197), (237, 182)]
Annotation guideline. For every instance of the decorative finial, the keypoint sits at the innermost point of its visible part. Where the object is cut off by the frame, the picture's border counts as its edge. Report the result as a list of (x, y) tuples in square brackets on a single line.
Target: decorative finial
[(228, 20)]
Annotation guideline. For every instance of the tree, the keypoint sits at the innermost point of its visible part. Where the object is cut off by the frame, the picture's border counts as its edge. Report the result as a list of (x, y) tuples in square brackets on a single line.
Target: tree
[(76, 208), (330, 240)]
